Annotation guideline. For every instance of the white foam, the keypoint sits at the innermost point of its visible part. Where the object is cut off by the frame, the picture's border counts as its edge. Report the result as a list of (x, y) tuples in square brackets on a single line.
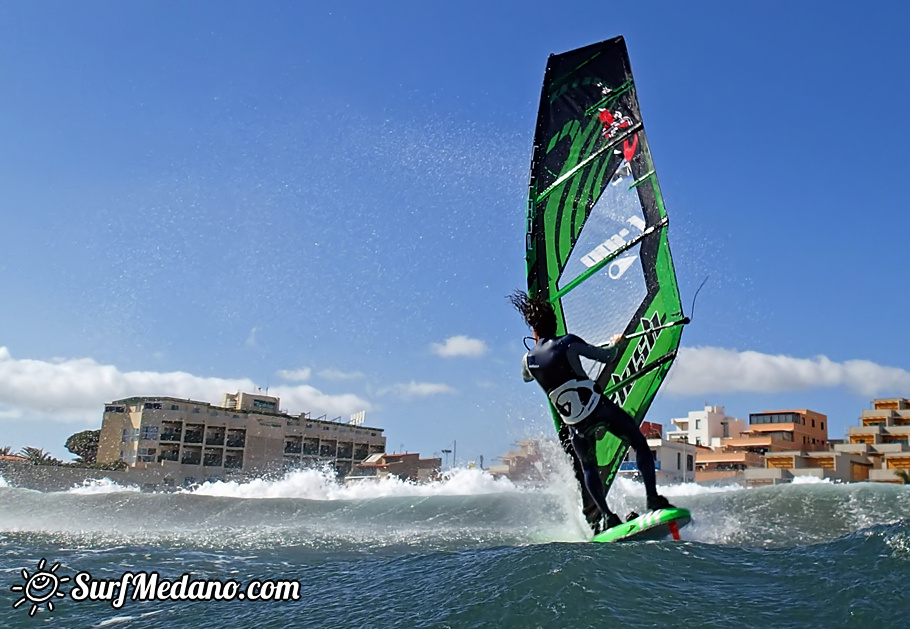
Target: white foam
[(116, 620), (810, 480), (314, 484), (3, 482), (100, 486)]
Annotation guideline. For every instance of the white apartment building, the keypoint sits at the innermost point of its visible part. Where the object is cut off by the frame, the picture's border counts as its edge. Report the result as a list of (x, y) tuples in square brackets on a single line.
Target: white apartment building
[(706, 427)]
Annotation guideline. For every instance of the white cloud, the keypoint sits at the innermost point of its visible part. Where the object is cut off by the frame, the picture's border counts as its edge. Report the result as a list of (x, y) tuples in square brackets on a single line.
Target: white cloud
[(296, 375), (460, 345), (337, 374), (409, 390), (703, 370), (306, 398), (76, 389)]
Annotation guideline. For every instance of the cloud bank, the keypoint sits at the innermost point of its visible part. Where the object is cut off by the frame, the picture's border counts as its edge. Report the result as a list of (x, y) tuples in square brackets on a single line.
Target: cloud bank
[(296, 375), (411, 390), (337, 374), (459, 345), (703, 370), (76, 389)]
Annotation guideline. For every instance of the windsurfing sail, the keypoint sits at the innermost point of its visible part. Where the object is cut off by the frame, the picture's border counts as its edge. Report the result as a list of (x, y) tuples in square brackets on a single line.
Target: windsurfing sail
[(597, 243)]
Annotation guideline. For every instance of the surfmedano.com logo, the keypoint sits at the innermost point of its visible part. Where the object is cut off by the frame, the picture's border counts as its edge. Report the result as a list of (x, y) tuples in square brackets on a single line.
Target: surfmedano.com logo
[(42, 587)]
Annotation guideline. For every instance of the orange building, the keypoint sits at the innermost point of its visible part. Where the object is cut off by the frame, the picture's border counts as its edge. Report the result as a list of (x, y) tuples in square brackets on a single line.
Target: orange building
[(782, 431)]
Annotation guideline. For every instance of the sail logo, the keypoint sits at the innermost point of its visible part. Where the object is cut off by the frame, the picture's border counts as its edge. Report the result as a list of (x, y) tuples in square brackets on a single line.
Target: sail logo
[(613, 122), (614, 243), (639, 356)]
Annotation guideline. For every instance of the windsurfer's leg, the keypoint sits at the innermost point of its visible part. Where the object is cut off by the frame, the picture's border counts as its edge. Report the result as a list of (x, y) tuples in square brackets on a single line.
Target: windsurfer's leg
[(623, 426), (587, 456)]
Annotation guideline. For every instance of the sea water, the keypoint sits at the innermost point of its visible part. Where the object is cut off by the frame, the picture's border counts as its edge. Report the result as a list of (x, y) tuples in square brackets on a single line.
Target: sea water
[(466, 551)]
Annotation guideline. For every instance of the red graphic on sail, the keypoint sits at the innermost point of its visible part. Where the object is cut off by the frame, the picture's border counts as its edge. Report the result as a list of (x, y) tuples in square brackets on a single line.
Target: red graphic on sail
[(613, 122), (628, 150)]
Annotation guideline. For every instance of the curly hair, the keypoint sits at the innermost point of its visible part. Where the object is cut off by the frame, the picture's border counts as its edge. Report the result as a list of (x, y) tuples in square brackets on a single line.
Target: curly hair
[(538, 313)]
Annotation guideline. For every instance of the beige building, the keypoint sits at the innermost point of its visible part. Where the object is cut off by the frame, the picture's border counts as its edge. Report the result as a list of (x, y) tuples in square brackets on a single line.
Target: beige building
[(189, 441), (884, 437), (525, 463), (407, 466)]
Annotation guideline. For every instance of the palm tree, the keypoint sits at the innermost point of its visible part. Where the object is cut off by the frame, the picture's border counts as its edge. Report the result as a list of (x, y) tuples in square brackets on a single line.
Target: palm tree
[(904, 475), (6, 450), (38, 456)]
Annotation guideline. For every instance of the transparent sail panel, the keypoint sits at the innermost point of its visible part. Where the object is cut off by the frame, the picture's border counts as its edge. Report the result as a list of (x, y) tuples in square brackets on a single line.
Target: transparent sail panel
[(604, 303)]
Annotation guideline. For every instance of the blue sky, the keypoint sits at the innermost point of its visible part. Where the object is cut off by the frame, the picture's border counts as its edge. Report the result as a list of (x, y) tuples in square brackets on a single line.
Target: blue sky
[(329, 201)]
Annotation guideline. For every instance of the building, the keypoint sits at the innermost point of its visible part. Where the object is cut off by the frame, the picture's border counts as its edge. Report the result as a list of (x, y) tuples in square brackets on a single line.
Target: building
[(706, 427), (781, 431), (525, 463), (674, 460), (190, 441), (408, 466), (883, 436)]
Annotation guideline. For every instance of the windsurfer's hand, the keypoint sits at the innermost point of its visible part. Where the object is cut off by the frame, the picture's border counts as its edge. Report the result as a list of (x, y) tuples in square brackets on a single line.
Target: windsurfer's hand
[(616, 338)]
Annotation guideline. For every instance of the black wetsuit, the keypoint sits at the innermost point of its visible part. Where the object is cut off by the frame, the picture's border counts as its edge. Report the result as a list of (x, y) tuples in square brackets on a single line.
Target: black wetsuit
[(556, 366)]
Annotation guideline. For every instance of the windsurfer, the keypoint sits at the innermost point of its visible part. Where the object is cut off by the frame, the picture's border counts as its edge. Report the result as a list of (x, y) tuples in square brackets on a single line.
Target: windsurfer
[(555, 364)]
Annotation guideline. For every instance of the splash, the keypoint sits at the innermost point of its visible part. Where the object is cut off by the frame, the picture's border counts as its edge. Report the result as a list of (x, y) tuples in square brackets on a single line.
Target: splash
[(95, 486), (313, 484), (3, 482), (810, 480)]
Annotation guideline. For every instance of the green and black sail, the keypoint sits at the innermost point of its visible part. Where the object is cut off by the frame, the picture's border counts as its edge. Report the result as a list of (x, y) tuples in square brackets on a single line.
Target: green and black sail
[(597, 243)]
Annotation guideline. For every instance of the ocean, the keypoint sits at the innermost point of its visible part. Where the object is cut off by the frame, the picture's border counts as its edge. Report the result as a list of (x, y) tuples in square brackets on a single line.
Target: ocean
[(466, 551)]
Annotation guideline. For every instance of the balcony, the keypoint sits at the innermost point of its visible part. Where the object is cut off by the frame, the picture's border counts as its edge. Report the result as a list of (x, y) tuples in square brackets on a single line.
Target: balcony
[(214, 437), (168, 454), (233, 460), (236, 438), (191, 456), (293, 445), (193, 433), (213, 457)]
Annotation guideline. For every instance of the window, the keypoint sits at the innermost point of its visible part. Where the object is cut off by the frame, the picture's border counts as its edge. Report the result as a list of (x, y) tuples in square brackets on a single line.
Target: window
[(264, 405), (196, 410), (114, 409), (147, 455), (690, 462), (697, 424), (823, 425), (152, 406), (813, 423), (149, 432), (679, 460), (174, 407)]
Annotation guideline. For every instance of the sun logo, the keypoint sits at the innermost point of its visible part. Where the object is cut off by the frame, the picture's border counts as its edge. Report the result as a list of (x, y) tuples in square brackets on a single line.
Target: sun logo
[(40, 588)]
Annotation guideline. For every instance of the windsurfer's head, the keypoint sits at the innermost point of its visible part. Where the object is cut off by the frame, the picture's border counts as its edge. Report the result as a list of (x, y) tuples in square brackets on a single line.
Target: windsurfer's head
[(537, 313)]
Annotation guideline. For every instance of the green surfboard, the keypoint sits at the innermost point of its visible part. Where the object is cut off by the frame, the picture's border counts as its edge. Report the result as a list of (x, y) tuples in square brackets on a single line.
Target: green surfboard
[(653, 525)]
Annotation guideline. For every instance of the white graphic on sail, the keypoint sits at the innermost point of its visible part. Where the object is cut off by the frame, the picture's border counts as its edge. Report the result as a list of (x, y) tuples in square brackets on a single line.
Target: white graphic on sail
[(618, 240)]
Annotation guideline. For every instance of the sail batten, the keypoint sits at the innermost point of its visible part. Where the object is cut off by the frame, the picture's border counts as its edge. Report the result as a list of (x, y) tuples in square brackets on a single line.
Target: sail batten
[(597, 243)]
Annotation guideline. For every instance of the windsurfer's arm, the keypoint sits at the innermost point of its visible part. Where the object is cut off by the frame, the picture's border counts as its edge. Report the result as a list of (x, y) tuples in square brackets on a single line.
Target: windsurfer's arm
[(600, 353)]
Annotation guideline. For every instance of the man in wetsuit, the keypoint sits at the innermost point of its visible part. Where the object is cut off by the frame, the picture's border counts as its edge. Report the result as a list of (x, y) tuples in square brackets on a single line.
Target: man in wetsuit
[(555, 364)]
